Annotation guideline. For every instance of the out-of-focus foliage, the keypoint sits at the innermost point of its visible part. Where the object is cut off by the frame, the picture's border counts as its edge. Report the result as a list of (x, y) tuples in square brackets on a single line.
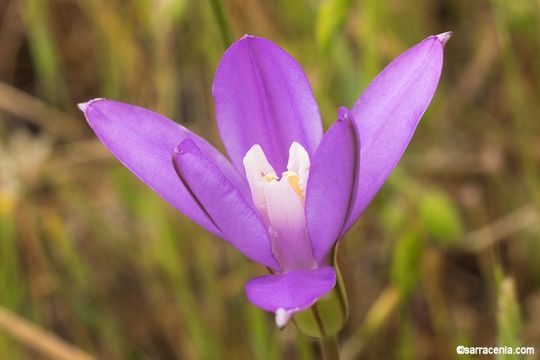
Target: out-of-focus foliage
[(90, 254), (440, 217), (406, 264), (508, 319)]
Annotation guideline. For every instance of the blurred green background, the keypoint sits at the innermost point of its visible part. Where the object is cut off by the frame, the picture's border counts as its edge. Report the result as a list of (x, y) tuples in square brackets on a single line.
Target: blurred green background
[(447, 254)]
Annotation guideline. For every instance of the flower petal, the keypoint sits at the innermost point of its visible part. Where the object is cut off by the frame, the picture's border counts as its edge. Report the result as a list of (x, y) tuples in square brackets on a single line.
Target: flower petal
[(388, 112), (144, 142), (263, 97), (224, 204), (331, 184), (294, 291)]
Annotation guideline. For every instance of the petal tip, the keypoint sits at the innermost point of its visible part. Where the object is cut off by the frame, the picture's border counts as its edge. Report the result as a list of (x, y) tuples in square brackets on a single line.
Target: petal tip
[(283, 316), (444, 37), (184, 147), (247, 36), (343, 114), (85, 105)]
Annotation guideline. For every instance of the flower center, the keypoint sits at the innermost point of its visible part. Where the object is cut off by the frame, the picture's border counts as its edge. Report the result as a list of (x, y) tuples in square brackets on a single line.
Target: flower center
[(280, 202)]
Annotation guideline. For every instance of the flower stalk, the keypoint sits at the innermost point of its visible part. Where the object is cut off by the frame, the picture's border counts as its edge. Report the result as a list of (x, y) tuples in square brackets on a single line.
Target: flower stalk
[(329, 347), (329, 314)]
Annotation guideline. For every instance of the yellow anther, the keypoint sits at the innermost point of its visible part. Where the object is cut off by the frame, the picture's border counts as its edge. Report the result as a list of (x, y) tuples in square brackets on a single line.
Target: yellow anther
[(294, 182), (269, 177)]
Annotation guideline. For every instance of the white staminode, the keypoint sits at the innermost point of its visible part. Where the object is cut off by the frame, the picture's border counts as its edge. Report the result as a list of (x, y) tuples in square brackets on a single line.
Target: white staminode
[(280, 201), (258, 168)]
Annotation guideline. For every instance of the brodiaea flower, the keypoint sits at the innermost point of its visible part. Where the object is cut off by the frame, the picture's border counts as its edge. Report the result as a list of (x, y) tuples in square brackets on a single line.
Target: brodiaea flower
[(288, 193)]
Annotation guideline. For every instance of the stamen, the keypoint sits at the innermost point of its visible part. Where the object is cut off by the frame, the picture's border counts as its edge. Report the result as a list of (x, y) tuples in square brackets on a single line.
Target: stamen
[(294, 182), (269, 177)]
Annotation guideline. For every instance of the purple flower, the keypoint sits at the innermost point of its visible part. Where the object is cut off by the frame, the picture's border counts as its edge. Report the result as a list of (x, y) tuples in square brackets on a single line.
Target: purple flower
[(289, 192)]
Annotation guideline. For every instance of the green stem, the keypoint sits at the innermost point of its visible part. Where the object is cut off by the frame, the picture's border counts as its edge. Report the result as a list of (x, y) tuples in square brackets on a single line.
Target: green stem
[(223, 23), (329, 348), (328, 343)]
